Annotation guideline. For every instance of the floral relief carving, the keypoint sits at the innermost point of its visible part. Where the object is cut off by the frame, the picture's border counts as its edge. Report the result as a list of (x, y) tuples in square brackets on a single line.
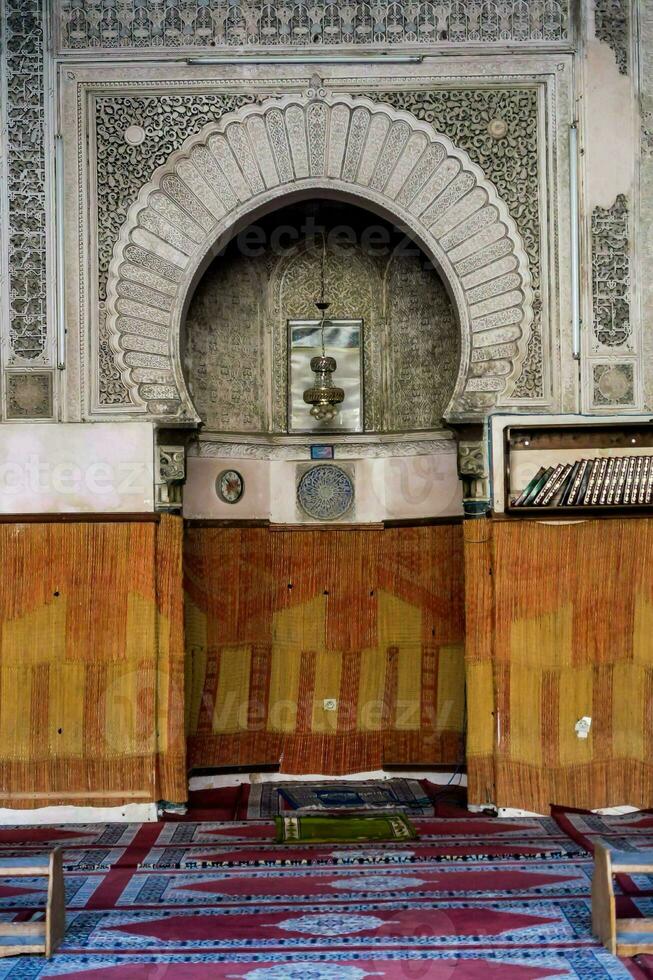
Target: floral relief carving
[(29, 394), (646, 134), (611, 24), (122, 168), (470, 232), (511, 163), (346, 450), (611, 273), (225, 347), (472, 459), (614, 384), (234, 23), (112, 389), (423, 344), (411, 337), (26, 181)]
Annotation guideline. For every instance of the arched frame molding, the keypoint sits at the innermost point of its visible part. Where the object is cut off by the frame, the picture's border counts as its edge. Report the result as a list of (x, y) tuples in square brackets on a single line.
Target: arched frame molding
[(260, 157)]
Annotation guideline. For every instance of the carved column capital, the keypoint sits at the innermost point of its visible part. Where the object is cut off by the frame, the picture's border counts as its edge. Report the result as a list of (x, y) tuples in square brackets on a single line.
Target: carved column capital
[(170, 476)]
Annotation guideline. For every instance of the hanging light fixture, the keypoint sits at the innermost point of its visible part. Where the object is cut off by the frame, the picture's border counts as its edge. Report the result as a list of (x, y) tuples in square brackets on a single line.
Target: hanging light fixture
[(323, 396)]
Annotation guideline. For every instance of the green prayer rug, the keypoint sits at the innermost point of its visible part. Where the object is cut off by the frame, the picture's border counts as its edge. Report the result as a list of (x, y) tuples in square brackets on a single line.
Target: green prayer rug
[(344, 829)]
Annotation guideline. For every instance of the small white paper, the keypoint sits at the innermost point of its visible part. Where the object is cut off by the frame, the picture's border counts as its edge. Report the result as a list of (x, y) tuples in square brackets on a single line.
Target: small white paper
[(582, 726)]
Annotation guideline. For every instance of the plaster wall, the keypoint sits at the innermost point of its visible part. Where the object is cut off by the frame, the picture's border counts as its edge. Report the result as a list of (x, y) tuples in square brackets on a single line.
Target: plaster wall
[(76, 469), (386, 488)]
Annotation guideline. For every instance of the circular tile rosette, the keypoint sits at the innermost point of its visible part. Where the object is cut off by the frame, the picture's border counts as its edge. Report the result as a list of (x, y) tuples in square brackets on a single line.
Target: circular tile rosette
[(325, 493)]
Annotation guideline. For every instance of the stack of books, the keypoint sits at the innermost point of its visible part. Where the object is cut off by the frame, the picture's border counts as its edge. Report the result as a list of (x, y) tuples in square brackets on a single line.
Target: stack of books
[(608, 481)]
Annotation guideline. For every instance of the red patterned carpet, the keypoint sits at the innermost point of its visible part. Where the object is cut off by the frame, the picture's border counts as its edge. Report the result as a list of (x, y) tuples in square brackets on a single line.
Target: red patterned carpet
[(218, 899)]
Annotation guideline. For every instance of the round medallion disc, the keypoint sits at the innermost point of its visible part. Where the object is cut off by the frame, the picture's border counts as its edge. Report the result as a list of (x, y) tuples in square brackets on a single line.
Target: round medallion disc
[(325, 492)]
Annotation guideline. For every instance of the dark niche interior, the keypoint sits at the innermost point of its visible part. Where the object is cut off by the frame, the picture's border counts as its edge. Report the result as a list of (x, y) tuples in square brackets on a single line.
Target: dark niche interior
[(236, 331)]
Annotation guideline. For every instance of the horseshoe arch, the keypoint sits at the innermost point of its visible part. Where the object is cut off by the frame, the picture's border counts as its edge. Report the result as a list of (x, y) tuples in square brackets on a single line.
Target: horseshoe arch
[(338, 145)]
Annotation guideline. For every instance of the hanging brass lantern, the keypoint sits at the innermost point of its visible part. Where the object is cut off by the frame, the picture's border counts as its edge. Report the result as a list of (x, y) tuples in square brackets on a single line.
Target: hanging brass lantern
[(323, 395)]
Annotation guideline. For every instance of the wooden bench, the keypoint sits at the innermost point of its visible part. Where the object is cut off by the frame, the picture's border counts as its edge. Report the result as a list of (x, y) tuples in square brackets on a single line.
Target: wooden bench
[(623, 937), (36, 937)]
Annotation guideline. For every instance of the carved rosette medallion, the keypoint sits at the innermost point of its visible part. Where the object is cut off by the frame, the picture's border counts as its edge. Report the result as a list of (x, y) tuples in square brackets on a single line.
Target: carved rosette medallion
[(614, 384), (325, 493), (29, 394)]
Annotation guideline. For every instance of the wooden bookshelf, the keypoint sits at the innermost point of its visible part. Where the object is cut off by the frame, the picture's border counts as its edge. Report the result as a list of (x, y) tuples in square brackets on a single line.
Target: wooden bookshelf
[(523, 445)]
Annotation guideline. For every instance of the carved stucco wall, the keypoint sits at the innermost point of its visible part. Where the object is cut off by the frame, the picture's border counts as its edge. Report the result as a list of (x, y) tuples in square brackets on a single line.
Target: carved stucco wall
[(497, 127), (226, 343), (618, 29), (236, 329), (499, 130), (201, 24), (422, 345), (354, 286), (378, 155), (614, 335), (139, 29), (25, 279)]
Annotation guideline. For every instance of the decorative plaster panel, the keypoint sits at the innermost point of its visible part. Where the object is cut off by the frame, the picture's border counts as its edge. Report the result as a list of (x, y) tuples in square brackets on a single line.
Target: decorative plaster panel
[(123, 167), (471, 118), (325, 492), (613, 385), (611, 274), (29, 394), (423, 346), (26, 231), (432, 187), (611, 24), (226, 347), (343, 450), (202, 24), (354, 289)]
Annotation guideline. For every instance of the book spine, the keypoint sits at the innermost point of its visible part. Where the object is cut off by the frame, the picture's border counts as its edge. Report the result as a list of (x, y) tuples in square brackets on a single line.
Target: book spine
[(573, 493), (568, 484), (538, 486), (621, 486), (539, 497), (637, 478), (607, 480), (632, 462), (519, 500), (589, 489), (616, 473), (555, 487), (598, 484), (646, 467), (649, 485)]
